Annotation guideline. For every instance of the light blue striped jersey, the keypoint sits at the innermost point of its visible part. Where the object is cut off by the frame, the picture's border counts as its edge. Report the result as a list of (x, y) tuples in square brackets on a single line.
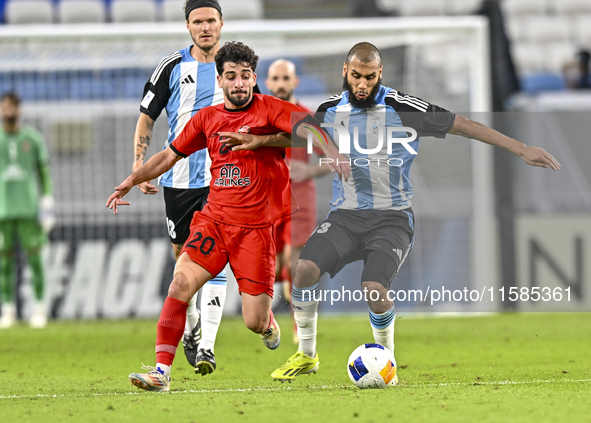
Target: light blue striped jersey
[(183, 86), (380, 181)]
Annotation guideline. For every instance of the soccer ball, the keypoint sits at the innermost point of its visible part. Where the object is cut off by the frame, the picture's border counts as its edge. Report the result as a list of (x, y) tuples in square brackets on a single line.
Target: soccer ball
[(371, 366)]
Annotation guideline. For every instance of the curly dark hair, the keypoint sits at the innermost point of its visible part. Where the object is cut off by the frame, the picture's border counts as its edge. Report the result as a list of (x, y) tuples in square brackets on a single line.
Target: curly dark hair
[(235, 52)]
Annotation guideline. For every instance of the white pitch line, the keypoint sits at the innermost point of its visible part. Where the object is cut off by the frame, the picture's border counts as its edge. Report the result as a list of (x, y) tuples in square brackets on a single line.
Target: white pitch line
[(506, 382), (282, 388)]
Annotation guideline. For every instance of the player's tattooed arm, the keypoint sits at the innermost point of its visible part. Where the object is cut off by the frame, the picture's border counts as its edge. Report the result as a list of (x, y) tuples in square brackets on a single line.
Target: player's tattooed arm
[(533, 156), (142, 148), (143, 135)]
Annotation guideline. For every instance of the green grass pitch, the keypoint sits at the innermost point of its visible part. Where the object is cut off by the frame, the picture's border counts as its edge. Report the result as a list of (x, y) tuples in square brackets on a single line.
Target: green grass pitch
[(507, 367)]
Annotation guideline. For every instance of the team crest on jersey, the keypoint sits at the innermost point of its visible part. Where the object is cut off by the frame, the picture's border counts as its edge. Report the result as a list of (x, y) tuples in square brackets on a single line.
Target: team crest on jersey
[(230, 176), (26, 146), (375, 124), (244, 130)]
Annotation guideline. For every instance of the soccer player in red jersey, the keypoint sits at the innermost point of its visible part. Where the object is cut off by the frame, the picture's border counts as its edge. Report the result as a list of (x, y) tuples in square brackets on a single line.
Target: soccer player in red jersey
[(249, 191)]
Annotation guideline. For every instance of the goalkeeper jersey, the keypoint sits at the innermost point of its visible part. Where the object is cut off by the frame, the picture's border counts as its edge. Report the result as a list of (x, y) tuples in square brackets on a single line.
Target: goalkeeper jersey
[(380, 180), (21, 155)]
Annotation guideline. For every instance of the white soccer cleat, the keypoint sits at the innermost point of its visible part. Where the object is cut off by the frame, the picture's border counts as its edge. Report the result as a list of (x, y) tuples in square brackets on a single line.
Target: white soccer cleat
[(38, 319), (272, 336), (154, 380), (8, 316)]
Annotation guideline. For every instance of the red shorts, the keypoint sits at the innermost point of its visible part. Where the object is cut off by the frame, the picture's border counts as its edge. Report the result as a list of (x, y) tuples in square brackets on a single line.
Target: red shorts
[(282, 233), (303, 222), (250, 252)]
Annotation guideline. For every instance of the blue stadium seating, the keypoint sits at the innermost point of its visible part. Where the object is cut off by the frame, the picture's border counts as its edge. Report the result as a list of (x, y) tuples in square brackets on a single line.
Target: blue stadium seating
[(110, 84), (534, 83)]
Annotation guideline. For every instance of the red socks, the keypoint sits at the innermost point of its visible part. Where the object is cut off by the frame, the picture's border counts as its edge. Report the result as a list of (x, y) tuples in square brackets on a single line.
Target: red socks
[(171, 326), (271, 317)]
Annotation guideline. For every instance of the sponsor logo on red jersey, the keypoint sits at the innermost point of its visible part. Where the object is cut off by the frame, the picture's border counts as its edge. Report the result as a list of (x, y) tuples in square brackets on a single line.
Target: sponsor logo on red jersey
[(230, 177)]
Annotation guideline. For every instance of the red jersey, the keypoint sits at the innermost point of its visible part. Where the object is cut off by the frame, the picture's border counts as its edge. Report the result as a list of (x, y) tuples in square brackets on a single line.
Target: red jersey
[(248, 188), (301, 154)]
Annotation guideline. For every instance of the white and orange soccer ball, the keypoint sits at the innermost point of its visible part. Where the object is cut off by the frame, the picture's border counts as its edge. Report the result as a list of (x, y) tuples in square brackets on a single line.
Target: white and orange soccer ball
[(371, 366)]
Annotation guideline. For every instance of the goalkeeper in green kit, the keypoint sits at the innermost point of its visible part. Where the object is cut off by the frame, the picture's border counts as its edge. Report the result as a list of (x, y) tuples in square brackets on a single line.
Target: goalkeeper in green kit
[(24, 213)]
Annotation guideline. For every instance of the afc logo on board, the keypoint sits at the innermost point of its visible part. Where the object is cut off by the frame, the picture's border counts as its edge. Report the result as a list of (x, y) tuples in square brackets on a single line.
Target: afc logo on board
[(230, 176)]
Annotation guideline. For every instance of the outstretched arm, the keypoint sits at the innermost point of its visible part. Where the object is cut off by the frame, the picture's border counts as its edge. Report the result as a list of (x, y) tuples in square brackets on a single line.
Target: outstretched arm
[(339, 163), (141, 142), (533, 156), (156, 166), (250, 142)]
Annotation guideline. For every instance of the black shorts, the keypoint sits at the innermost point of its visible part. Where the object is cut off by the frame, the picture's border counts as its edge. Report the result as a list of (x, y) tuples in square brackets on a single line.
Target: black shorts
[(180, 205), (354, 234)]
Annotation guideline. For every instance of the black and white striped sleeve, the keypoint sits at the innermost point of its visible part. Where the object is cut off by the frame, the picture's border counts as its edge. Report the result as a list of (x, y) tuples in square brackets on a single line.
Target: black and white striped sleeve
[(426, 118), (327, 104), (157, 89)]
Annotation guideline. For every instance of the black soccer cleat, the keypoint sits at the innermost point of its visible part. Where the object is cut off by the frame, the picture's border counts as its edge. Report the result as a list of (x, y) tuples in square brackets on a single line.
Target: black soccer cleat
[(191, 343), (204, 362)]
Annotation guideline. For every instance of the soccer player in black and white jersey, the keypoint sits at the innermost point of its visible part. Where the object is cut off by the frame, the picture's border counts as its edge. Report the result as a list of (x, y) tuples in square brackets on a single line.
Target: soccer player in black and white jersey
[(371, 216), (183, 83)]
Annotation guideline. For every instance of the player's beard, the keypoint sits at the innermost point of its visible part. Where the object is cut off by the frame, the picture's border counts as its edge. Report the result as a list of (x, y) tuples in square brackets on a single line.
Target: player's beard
[(283, 94), (10, 121), (369, 102), (204, 47), (239, 102)]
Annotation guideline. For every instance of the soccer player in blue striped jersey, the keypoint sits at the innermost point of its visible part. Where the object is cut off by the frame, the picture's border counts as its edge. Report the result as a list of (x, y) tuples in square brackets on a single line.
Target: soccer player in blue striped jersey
[(371, 216), (183, 83)]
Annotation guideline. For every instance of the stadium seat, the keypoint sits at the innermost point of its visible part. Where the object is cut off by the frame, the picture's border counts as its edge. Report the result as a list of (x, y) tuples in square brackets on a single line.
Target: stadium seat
[(173, 11), (535, 83), (571, 7), (391, 7), (514, 25), (310, 85), (82, 11), (582, 30), (242, 9), (524, 7), (463, 7), (535, 58), (133, 11), (528, 57), (29, 12), (556, 55), (422, 8), (547, 29)]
